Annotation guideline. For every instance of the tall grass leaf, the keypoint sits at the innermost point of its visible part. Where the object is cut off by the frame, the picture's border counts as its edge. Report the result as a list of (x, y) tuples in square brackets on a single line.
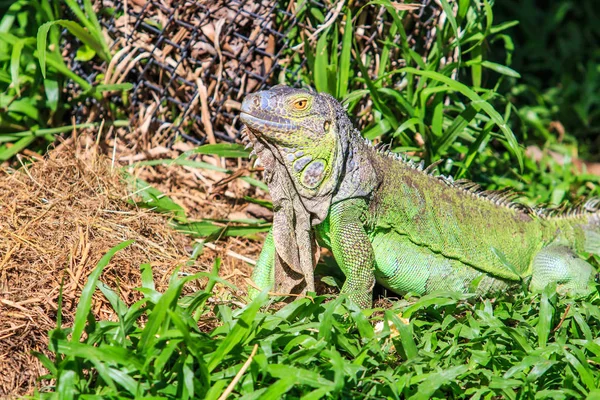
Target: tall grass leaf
[(457, 126), (240, 330), (223, 150), (126, 86), (406, 335), (72, 27), (8, 152), (216, 390), (279, 388), (154, 198), (436, 380), (316, 394), (473, 151), (475, 64), (385, 51), (545, 319), (85, 301), (373, 91), (119, 306), (188, 377), (438, 117), (344, 69), (503, 26), (90, 22), (463, 7), (437, 299), (55, 61), (326, 324), (513, 145), (489, 17), (46, 362), (52, 91), (15, 62), (147, 278), (501, 69), (255, 182), (321, 63), (178, 161), (581, 366), (401, 101), (97, 28), (158, 317), (303, 376), (200, 228), (65, 384), (450, 15)]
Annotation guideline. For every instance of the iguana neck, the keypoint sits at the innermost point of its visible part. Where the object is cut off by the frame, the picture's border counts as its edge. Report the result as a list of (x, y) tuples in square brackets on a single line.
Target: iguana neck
[(358, 177)]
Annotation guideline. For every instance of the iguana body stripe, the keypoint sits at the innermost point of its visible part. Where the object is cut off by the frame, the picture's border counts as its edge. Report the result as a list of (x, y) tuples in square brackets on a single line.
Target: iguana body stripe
[(386, 218)]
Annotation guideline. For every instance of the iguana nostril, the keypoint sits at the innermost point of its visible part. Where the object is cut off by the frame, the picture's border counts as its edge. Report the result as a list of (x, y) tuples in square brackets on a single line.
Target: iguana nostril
[(256, 101)]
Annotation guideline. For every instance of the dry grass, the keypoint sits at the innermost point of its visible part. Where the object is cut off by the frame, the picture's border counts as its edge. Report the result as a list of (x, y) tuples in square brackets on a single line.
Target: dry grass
[(58, 217)]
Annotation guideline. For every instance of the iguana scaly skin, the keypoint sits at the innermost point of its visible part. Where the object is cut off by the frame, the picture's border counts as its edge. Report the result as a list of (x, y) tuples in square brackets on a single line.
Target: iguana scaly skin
[(387, 219)]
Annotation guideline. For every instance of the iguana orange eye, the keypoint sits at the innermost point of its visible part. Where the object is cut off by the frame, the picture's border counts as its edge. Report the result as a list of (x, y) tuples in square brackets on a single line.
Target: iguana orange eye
[(300, 104)]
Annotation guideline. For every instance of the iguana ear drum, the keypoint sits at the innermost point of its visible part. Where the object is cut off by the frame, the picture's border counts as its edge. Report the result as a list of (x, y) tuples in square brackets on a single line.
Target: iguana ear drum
[(313, 174)]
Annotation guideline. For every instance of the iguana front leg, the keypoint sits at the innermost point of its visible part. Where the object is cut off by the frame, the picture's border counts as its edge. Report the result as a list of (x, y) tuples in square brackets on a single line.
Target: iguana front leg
[(352, 250), (263, 275)]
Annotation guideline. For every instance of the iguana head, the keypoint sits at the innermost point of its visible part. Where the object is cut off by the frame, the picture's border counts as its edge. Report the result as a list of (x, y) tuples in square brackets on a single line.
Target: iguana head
[(300, 126)]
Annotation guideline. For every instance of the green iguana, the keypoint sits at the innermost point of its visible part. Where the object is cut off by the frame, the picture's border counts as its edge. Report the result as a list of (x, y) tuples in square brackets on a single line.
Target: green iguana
[(388, 219)]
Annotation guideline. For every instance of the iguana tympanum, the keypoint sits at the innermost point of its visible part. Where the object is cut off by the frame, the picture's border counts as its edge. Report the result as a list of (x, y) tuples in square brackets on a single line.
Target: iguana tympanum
[(387, 219)]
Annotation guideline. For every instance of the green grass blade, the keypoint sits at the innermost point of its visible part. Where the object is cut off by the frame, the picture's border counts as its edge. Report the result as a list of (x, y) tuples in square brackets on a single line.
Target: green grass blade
[(240, 330), (344, 68), (85, 302), (513, 145), (450, 15), (76, 30), (321, 63), (223, 150), (15, 62), (545, 319)]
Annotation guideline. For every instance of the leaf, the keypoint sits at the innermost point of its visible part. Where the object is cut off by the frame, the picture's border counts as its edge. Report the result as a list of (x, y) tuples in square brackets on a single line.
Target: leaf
[(76, 29), (457, 127), (321, 63), (85, 301), (15, 62), (240, 330), (153, 198), (223, 150), (545, 318), (344, 68), (435, 380), (450, 15), (478, 102), (406, 335), (501, 69)]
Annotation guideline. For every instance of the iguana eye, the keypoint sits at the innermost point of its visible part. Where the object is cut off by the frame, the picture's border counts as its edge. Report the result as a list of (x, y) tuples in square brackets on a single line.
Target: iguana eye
[(300, 104)]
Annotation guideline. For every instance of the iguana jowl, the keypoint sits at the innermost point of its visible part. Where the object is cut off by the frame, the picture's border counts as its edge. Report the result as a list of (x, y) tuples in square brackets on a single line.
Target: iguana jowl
[(387, 219)]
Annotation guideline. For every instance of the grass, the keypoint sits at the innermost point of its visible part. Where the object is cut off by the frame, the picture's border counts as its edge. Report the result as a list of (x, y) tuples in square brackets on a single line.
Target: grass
[(34, 103), (469, 96), (446, 345), (458, 98)]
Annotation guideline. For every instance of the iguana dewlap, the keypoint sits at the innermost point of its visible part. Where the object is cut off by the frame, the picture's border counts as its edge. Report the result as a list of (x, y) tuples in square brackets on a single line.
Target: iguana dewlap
[(387, 219)]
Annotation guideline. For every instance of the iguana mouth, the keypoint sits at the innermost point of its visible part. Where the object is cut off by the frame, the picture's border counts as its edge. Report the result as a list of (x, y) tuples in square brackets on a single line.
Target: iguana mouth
[(260, 125)]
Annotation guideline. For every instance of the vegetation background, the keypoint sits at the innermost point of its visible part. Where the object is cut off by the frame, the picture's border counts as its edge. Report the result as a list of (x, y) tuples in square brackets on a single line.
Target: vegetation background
[(506, 93)]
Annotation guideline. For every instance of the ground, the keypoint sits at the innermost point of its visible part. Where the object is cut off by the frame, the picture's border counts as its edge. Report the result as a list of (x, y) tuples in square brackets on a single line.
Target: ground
[(61, 213)]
